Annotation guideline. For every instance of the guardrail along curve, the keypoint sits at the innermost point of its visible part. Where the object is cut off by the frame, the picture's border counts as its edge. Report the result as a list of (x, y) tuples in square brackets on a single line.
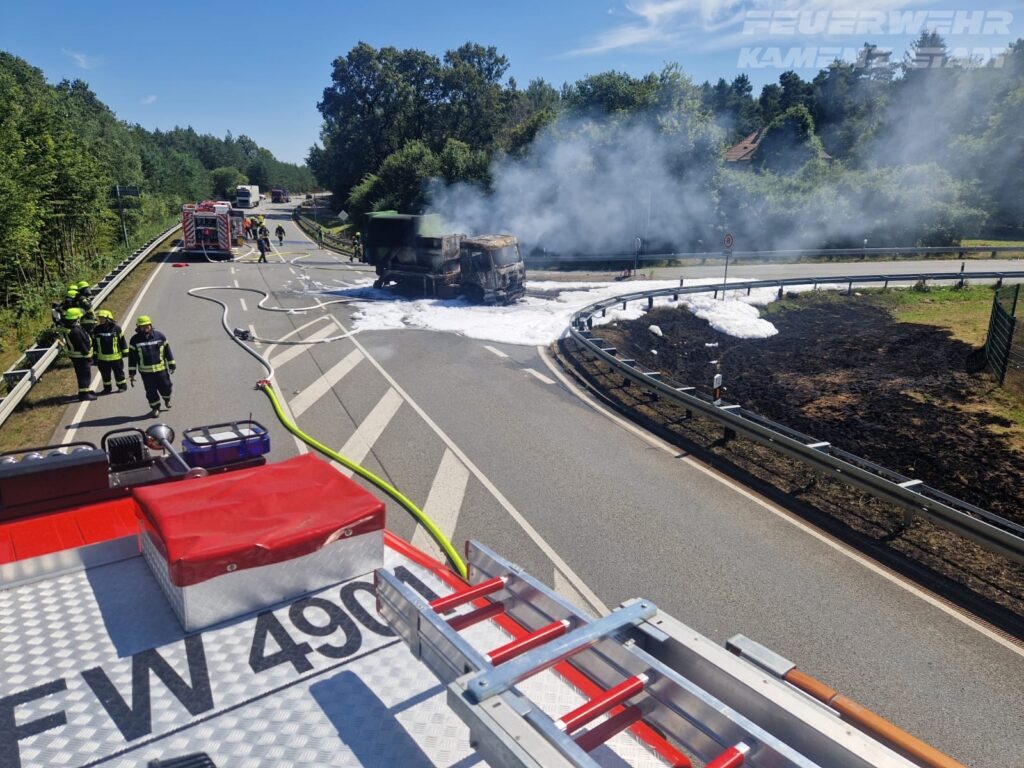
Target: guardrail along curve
[(985, 528), (31, 366)]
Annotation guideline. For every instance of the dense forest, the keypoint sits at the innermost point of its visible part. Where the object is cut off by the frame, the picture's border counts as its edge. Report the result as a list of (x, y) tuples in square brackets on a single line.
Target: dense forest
[(925, 150), (62, 152)]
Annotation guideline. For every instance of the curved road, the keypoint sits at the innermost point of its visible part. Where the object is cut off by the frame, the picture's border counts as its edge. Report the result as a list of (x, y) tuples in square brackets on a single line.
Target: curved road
[(495, 446)]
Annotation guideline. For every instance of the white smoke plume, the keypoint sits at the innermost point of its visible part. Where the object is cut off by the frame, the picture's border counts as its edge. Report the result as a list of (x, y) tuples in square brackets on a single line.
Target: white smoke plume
[(591, 187)]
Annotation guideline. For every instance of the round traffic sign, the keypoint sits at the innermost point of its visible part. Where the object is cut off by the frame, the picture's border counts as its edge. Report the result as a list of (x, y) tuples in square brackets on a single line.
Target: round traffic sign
[(728, 240)]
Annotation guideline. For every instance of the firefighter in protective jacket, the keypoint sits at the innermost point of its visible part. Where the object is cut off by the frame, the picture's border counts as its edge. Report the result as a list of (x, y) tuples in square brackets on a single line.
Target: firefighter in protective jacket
[(110, 348), (150, 354), (80, 351), (84, 302)]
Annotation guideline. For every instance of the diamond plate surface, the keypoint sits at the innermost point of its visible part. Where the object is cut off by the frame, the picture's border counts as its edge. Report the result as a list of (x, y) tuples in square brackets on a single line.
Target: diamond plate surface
[(376, 705)]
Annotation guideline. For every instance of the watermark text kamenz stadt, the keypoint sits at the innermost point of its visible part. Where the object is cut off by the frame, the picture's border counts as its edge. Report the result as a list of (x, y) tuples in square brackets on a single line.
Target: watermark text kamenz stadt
[(821, 57)]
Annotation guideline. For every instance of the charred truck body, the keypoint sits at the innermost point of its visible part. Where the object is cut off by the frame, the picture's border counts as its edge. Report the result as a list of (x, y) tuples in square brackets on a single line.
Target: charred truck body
[(412, 252)]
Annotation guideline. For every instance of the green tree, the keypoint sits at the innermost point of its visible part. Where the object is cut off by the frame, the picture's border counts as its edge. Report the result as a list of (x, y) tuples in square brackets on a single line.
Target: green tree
[(611, 93), (225, 180)]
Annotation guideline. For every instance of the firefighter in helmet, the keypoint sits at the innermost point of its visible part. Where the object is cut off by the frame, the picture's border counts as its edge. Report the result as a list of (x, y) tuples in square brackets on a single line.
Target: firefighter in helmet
[(110, 348), (84, 302), (58, 308), (150, 354), (79, 346)]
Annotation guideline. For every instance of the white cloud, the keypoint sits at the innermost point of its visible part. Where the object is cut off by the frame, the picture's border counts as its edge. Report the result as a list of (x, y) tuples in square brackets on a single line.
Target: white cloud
[(149, 99), (82, 60), (707, 24)]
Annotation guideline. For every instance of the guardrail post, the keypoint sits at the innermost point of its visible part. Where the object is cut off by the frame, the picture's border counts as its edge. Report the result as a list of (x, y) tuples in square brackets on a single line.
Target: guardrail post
[(780, 293), (13, 377), (590, 323), (34, 354), (650, 303)]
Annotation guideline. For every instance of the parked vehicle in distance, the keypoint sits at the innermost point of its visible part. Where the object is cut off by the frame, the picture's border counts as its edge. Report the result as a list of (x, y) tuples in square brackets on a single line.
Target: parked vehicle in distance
[(247, 196), (280, 196)]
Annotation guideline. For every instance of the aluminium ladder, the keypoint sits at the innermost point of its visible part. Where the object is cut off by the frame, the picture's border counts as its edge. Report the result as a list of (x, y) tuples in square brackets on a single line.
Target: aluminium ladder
[(701, 703)]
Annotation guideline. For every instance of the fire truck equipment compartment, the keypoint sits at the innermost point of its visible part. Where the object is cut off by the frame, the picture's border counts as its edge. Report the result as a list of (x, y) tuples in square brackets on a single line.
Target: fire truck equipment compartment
[(230, 544)]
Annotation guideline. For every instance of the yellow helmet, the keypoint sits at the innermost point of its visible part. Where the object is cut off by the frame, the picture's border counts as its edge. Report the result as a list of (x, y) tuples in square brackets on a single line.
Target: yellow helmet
[(82, 284), (73, 313), (105, 313), (72, 293), (143, 320)]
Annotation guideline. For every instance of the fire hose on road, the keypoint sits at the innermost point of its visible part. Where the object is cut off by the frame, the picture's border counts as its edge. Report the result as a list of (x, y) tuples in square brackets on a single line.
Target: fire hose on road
[(267, 388)]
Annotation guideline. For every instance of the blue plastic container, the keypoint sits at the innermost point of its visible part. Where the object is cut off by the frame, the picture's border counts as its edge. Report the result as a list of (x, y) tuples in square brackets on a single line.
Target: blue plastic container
[(216, 445)]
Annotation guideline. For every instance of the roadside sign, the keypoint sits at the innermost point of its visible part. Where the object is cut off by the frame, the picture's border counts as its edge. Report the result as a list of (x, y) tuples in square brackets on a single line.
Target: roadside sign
[(728, 240), (343, 216), (122, 191)]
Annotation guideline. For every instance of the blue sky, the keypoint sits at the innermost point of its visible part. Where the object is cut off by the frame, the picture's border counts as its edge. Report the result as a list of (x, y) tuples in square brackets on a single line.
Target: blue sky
[(259, 68)]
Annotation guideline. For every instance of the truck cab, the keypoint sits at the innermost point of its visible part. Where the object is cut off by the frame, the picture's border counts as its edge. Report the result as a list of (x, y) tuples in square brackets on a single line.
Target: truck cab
[(492, 269)]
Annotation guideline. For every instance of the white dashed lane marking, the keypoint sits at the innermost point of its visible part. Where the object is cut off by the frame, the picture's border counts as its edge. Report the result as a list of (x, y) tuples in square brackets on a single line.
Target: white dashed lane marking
[(539, 376), (302, 401), (358, 446), (443, 503), (293, 351)]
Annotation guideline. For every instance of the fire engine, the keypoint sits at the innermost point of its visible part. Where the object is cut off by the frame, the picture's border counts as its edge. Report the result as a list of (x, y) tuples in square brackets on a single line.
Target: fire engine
[(210, 226), (242, 632)]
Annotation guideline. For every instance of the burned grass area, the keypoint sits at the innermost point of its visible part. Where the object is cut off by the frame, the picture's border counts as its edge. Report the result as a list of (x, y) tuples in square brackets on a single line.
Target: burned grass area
[(845, 370)]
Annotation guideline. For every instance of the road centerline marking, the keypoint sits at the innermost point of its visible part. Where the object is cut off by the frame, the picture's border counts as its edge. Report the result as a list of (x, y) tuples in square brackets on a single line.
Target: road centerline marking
[(539, 376), (497, 352)]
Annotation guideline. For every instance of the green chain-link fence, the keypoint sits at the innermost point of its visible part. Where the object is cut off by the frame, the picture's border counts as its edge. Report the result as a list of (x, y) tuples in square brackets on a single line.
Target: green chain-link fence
[(1004, 347)]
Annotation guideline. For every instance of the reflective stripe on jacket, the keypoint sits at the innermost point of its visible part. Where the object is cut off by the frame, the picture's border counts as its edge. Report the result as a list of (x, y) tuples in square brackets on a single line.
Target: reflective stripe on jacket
[(79, 342), (149, 353), (109, 342)]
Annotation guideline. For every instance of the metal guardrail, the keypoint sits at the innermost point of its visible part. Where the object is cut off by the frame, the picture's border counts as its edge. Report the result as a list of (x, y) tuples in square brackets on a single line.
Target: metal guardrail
[(314, 231), (984, 527), (784, 255), (31, 366)]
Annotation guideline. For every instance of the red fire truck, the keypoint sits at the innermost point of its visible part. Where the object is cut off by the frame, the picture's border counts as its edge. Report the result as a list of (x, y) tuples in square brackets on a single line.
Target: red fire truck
[(210, 226)]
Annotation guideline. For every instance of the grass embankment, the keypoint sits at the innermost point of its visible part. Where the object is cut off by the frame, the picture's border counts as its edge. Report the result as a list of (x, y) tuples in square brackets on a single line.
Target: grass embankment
[(38, 415), (965, 313)]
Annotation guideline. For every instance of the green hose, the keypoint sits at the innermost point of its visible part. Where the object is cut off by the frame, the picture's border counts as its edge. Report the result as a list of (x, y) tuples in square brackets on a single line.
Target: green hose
[(394, 493)]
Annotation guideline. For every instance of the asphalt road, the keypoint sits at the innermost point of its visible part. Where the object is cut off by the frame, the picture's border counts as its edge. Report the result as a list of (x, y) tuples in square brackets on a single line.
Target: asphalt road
[(495, 447)]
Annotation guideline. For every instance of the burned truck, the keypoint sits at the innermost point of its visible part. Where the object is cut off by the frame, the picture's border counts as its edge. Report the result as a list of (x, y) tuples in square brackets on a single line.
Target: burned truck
[(413, 253)]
